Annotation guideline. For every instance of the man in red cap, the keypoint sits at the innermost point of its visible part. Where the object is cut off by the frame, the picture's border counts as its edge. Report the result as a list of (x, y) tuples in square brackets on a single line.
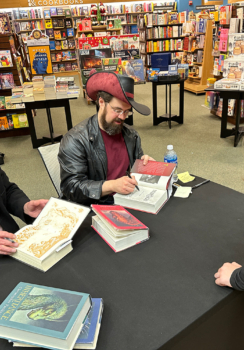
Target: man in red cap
[(95, 155)]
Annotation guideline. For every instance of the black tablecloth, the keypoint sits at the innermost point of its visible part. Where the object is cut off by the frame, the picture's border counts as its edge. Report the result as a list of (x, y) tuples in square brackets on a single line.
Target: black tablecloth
[(154, 290)]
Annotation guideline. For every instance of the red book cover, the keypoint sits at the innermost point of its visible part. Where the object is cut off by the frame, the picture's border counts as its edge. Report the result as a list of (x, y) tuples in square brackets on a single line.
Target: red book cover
[(118, 217), (153, 168)]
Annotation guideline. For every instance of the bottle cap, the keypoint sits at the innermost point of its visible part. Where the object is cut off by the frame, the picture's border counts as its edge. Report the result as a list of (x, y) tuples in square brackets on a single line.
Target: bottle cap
[(169, 147)]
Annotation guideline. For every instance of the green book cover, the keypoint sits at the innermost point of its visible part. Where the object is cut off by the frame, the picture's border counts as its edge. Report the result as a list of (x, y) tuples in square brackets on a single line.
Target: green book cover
[(2, 102), (41, 310)]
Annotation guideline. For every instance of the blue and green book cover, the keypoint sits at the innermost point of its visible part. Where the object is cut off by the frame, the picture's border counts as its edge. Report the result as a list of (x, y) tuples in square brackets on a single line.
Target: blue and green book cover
[(36, 314)]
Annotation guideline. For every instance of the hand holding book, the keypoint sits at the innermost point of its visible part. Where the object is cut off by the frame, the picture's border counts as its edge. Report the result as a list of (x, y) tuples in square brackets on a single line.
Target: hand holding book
[(33, 208)]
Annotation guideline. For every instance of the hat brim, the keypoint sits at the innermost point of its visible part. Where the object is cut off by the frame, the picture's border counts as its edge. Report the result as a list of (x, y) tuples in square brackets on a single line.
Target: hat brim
[(142, 109)]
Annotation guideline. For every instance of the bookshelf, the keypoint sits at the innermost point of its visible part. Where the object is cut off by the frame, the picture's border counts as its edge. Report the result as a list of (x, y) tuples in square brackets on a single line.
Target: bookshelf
[(197, 85), (14, 44)]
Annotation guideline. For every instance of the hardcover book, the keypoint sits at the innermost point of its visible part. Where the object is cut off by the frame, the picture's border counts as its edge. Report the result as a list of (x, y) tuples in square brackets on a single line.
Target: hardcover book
[(2, 102), (4, 123), (49, 238), (48, 23), (67, 12), (57, 34), (70, 32), (155, 186), (6, 81), (71, 44), (68, 23), (60, 11), (43, 316), (60, 22), (52, 45), (63, 34), (46, 14), (57, 45), (50, 33), (64, 44), (61, 67), (53, 11), (68, 66), (89, 334), (118, 228), (55, 23), (5, 59)]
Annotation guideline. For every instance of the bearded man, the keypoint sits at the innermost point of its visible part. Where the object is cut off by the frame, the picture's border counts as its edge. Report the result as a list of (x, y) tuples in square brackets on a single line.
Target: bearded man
[(95, 155)]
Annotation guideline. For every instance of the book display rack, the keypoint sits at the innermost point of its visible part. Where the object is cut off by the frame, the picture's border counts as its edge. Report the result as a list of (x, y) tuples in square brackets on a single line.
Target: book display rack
[(15, 74), (196, 84)]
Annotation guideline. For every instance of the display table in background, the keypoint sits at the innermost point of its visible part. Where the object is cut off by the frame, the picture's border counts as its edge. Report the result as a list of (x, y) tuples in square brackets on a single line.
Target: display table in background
[(168, 116), (47, 104), (226, 95), (160, 294)]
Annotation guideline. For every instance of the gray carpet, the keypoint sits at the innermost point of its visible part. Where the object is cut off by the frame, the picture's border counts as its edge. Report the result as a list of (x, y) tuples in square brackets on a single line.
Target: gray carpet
[(197, 142)]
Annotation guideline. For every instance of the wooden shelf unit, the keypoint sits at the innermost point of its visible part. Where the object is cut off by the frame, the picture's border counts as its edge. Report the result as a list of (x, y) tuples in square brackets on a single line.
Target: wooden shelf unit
[(198, 86), (5, 45)]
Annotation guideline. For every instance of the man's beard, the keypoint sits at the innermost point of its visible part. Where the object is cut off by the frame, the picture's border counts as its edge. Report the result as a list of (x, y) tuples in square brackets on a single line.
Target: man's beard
[(111, 128)]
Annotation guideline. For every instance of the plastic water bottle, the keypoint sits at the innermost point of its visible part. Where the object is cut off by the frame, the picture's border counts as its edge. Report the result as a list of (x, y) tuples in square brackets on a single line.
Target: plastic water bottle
[(171, 157)]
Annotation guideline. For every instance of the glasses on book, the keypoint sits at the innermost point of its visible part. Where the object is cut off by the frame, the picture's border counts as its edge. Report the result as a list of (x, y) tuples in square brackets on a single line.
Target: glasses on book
[(120, 111)]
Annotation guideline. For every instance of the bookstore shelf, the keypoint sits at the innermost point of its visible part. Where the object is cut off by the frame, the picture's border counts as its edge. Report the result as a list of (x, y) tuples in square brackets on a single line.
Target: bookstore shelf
[(28, 19), (164, 25), (127, 13), (198, 86), (151, 39)]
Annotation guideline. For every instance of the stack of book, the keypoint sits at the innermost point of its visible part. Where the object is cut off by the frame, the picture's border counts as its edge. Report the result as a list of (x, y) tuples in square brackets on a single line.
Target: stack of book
[(61, 88), (38, 88), (17, 94), (117, 227), (28, 92), (75, 316), (73, 91), (50, 87)]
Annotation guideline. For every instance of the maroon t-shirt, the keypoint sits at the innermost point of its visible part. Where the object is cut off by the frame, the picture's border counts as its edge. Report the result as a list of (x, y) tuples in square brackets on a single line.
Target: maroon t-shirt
[(117, 155)]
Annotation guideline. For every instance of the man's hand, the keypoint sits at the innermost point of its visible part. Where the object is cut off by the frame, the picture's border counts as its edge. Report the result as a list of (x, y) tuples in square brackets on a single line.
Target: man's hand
[(146, 158), (123, 185), (224, 273), (7, 247), (33, 208)]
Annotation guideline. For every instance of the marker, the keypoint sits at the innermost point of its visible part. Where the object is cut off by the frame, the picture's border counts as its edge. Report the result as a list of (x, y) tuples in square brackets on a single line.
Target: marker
[(9, 239), (128, 174)]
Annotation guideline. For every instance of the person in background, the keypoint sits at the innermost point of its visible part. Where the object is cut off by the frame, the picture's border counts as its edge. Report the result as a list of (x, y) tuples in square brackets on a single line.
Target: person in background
[(14, 201), (95, 155), (230, 275)]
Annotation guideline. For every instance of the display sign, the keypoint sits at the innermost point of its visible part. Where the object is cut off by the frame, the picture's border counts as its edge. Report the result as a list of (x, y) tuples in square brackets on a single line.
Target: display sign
[(40, 59), (163, 8), (206, 7)]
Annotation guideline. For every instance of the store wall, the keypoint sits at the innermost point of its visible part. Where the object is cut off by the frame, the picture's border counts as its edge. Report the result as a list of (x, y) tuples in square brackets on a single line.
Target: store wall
[(182, 5)]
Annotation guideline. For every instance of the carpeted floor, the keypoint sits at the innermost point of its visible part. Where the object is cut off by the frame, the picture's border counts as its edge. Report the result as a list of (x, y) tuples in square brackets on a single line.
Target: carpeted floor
[(197, 142)]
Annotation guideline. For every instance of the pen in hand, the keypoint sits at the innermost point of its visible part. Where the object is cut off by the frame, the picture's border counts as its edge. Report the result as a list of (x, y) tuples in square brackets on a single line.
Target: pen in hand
[(128, 174)]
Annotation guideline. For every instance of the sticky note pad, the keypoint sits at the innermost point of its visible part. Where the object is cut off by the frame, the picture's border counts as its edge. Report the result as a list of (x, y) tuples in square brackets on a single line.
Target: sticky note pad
[(183, 192), (185, 177)]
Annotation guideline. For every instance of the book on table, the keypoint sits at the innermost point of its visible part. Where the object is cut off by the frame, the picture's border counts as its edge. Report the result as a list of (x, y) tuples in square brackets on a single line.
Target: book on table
[(118, 228), (155, 186), (49, 238), (43, 316), (88, 336)]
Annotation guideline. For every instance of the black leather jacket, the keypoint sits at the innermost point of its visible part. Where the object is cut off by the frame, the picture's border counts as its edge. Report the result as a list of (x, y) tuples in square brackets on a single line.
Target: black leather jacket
[(83, 160)]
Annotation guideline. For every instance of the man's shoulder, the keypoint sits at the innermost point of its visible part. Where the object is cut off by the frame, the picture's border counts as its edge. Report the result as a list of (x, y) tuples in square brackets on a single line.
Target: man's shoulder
[(82, 129), (130, 130)]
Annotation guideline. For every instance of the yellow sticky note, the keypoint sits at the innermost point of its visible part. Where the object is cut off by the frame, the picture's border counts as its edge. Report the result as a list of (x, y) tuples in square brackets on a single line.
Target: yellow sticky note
[(183, 192), (185, 177)]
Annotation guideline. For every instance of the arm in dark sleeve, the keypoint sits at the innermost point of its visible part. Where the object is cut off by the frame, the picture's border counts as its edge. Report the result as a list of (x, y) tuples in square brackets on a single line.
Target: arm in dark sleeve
[(138, 150), (74, 163), (237, 279), (15, 198)]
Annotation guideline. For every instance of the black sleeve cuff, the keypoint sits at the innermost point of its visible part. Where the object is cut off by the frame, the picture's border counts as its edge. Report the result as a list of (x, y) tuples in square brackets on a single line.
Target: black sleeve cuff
[(237, 279)]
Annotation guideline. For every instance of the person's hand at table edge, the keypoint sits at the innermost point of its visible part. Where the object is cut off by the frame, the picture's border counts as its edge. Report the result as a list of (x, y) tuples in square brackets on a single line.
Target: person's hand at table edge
[(6, 246), (224, 274)]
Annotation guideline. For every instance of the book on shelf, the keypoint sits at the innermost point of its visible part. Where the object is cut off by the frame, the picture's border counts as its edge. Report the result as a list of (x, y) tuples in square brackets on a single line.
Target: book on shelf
[(49, 238), (60, 325), (48, 23), (6, 81), (63, 34), (155, 186), (55, 67), (50, 33), (61, 22), (67, 12), (60, 11), (52, 45), (4, 123), (68, 66), (57, 34), (55, 23), (46, 14), (239, 13), (71, 43), (234, 25), (70, 32), (61, 67), (68, 22), (2, 102), (88, 336), (5, 59), (118, 228), (64, 44), (53, 11), (58, 45), (225, 14)]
